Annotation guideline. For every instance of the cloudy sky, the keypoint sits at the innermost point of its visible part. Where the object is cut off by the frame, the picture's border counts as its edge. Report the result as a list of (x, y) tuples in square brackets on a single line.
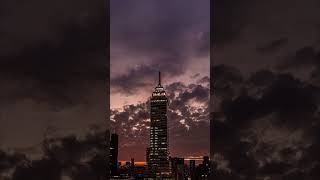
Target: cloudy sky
[(52, 70), (173, 37), (265, 73), (53, 95)]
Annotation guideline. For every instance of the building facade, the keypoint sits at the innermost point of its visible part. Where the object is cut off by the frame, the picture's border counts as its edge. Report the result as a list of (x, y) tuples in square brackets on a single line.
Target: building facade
[(114, 142), (159, 149)]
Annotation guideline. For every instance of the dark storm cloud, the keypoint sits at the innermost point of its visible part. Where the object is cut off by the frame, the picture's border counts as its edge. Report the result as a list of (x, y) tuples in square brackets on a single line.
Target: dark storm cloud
[(205, 79), (244, 127), (273, 45), (198, 93), (226, 79), (175, 87), (226, 73), (262, 78), (50, 51), (10, 160), (65, 157), (184, 120), (264, 118), (141, 77), (301, 58), (265, 24), (53, 70), (305, 59)]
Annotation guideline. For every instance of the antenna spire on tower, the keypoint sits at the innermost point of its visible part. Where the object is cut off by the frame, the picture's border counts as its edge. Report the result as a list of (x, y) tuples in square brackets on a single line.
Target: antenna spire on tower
[(159, 78)]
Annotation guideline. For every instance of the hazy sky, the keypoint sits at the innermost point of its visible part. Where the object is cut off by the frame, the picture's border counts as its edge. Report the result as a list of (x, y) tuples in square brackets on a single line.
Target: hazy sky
[(265, 68), (52, 71), (173, 37)]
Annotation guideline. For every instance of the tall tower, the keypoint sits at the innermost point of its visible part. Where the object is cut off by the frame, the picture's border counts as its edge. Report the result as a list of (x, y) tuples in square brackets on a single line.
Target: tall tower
[(159, 152), (114, 154)]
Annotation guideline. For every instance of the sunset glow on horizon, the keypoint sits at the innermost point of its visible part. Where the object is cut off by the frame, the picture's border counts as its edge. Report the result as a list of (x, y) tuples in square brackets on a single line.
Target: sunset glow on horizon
[(137, 54)]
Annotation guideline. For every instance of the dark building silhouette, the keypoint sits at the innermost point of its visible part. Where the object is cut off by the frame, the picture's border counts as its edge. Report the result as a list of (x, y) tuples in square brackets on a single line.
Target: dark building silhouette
[(159, 152), (177, 168), (128, 164), (192, 169), (212, 120), (132, 167), (147, 155), (199, 173), (206, 166), (114, 142), (202, 171)]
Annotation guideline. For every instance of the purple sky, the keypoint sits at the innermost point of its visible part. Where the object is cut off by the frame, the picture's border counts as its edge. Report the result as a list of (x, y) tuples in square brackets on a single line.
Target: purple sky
[(148, 36)]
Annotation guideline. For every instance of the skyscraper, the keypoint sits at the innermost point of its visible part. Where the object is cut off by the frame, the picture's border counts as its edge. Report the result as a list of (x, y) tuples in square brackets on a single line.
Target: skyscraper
[(148, 155), (192, 168), (132, 167), (159, 152), (177, 165), (206, 166), (132, 162), (114, 154)]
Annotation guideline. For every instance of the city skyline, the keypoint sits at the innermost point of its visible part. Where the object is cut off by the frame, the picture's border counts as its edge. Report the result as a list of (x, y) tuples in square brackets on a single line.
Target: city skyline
[(159, 163), (159, 89), (151, 36), (71, 76)]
